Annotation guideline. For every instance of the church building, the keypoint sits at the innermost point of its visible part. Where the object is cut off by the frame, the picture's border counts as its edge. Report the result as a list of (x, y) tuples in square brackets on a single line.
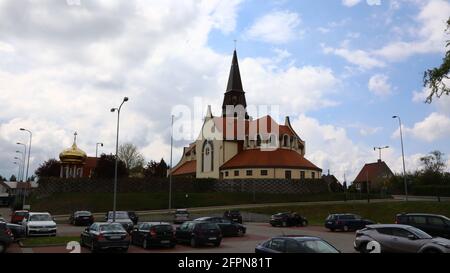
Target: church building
[(236, 146)]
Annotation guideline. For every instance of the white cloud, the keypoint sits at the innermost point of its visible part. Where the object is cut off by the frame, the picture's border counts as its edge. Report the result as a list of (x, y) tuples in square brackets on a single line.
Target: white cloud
[(361, 58), (157, 55), (379, 85), (434, 127), (277, 27), (350, 3), (430, 33)]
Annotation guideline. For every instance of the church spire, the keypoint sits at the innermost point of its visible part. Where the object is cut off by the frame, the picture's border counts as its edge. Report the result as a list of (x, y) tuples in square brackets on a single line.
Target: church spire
[(234, 80), (234, 95)]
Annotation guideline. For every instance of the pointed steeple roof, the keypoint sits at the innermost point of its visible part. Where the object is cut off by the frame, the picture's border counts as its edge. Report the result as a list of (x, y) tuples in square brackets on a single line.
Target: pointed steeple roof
[(234, 80)]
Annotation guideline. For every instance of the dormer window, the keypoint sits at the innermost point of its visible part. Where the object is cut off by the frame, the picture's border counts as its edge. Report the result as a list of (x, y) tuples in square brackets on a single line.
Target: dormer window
[(286, 141)]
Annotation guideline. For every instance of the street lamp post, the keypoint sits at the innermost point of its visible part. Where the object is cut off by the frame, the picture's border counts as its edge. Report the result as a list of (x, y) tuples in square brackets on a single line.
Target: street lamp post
[(171, 167), (23, 162), (19, 178), (29, 150), (379, 149), (403, 156), (96, 148), (24, 155), (125, 99), (18, 172)]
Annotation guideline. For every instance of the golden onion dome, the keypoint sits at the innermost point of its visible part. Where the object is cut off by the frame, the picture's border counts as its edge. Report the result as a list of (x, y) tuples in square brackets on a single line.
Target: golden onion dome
[(73, 154)]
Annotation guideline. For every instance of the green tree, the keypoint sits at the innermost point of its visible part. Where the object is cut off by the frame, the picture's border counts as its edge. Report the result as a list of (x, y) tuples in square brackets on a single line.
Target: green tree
[(155, 169), (106, 167), (434, 162), (131, 156), (436, 78), (50, 168), (13, 178)]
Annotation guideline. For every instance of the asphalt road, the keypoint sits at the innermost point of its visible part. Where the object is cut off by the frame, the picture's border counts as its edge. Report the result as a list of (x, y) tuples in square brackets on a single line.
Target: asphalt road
[(256, 233)]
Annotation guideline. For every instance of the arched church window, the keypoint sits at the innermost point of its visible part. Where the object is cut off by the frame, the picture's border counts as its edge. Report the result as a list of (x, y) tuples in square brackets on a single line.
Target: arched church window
[(258, 140)]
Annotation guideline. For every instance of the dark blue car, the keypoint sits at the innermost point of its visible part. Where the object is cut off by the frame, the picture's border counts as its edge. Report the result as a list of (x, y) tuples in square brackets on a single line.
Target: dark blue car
[(346, 222)]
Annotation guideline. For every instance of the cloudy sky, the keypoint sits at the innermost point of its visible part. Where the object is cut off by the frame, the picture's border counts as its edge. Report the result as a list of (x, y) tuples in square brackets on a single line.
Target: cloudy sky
[(339, 68)]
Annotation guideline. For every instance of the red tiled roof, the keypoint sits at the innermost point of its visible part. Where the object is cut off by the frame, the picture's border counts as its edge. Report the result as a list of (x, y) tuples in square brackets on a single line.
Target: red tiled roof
[(280, 158), (263, 126), (372, 171), (189, 167)]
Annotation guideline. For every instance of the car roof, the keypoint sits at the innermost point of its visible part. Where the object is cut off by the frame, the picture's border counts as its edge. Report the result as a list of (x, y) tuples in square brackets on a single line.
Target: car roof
[(422, 214), (156, 223), (298, 237), (204, 218), (34, 213), (106, 223), (20, 211), (181, 210), (388, 226), (82, 211)]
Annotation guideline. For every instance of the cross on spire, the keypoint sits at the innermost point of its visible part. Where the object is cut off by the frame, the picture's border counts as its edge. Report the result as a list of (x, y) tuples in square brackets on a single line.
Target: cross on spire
[(75, 138)]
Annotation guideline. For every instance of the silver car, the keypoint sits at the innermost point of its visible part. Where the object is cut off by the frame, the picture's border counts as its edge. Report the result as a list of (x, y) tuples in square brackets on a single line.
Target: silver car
[(398, 239)]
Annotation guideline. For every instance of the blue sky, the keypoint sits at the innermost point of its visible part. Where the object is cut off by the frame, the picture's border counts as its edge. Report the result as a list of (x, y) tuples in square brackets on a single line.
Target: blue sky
[(339, 68)]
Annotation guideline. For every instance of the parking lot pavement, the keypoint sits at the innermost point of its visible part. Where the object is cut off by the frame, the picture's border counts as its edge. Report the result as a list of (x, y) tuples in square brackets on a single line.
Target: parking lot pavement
[(256, 233)]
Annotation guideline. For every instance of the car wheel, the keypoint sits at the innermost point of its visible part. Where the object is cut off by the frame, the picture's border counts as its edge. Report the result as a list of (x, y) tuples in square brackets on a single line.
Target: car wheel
[(217, 244), (332, 229), (193, 242), (240, 232), (2, 247), (304, 223), (346, 228), (93, 249), (432, 251), (284, 224), (363, 248), (145, 244)]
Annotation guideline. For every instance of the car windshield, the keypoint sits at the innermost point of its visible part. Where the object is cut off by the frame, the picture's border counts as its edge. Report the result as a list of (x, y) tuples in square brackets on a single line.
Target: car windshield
[(40, 217), (182, 212), (419, 233), (21, 213), (111, 228), (316, 246), (83, 213), (119, 215), (208, 226), (162, 228)]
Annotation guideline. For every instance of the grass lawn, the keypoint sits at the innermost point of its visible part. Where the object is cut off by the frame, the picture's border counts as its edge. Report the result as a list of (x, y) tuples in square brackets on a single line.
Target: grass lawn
[(45, 241), (383, 212), (65, 203)]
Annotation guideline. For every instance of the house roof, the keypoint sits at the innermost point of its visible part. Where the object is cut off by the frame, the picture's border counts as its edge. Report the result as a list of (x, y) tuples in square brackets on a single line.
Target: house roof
[(280, 158), (373, 171), (189, 167), (232, 128)]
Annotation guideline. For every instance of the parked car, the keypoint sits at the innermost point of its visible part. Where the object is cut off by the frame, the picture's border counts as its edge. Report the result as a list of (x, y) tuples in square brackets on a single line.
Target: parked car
[(288, 219), (6, 237), (39, 224), (81, 218), (433, 224), (199, 233), (105, 236), (346, 222), (181, 216), (18, 215), (149, 234), (133, 216), (121, 218), (227, 227), (233, 215), (295, 244), (17, 231), (400, 239)]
